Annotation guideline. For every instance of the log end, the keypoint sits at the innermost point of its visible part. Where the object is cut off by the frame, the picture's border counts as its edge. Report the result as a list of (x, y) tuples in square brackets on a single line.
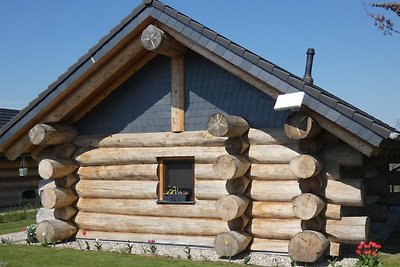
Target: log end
[(231, 207), (229, 244), (308, 246), (218, 125)]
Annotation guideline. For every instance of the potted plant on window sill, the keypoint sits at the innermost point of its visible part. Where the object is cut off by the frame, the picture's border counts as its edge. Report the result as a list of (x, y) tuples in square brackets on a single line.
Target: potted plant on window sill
[(174, 194)]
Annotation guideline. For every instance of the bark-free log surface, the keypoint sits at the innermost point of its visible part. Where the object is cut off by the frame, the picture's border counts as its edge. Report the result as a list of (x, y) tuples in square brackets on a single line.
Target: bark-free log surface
[(271, 154), (159, 139), (274, 228), (306, 166), (231, 207), (229, 167), (310, 146), (307, 206), (149, 224), (177, 94), (65, 213), (44, 214), (270, 245), (57, 197), (50, 230), (117, 189), (230, 243), (134, 155), (56, 168), (271, 172), (202, 208), (221, 125), (272, 210), (119, 172), (239, 223), (154, 39), (45, 134), (350, 230), (308, 246), (346, 192), (236, 145), (343, 154), (299, 125), (237, 186), (67, 181)]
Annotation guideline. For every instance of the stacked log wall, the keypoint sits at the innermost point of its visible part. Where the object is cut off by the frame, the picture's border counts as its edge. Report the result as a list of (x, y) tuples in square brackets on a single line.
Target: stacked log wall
[(118, 188), (13, 186)]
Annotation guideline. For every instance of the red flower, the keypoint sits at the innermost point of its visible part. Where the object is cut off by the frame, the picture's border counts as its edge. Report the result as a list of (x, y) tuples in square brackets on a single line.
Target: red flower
[(359, 247), (378, 246), (362, 243), (373, 253), (84, 233), (367, 252), (358, 252)]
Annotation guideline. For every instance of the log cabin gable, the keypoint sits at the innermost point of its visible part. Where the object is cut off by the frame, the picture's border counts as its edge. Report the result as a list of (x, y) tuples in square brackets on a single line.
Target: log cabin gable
[(120, 54)]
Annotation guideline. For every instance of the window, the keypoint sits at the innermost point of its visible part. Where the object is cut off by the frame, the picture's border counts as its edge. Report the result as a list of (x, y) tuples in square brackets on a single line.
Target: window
[(176, 180)]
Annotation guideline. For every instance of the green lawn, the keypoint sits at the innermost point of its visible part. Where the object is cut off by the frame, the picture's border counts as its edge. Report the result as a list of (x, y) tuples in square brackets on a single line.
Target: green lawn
[(12, 227), (15, 255)]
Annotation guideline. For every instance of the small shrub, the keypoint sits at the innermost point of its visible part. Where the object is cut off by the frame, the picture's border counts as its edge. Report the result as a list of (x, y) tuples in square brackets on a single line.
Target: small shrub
[(187, 250), (246, 260), (6, 240), (333, 262), (31, 233), (368, 254), (128, 247), (98, 245)]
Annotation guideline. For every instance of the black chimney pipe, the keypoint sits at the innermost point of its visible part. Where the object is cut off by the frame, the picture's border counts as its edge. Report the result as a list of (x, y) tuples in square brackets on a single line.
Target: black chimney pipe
[(307, 74)]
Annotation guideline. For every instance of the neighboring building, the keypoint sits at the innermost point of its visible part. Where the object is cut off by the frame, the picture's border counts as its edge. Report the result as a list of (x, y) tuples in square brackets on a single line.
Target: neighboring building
[(164, 101), (15, 190)]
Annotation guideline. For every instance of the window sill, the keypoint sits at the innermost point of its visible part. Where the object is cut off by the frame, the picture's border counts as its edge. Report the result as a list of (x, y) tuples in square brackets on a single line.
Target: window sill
[(189, 202)]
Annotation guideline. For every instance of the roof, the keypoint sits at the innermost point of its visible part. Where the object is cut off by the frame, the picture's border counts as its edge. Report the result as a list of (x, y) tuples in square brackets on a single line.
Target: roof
[(193, 34), (6, 115)]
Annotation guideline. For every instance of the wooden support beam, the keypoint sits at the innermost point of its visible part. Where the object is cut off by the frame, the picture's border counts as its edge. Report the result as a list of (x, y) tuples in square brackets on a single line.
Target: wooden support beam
[(52, 134), (308, 246), (177, 94), (57, 197), (156, 40), (230, 243), (56, 168), (221, 125), (299, 125), (229, 167), (306, 166), (19, 147), (231, 207), (50, 230)]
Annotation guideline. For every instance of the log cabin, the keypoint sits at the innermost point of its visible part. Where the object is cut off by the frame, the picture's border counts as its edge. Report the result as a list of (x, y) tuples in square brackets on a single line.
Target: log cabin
[(16, 190), (166, 130)]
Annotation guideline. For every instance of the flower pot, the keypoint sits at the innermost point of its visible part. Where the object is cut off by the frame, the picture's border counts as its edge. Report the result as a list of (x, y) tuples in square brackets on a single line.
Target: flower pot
[(176, 197), (23, 171)]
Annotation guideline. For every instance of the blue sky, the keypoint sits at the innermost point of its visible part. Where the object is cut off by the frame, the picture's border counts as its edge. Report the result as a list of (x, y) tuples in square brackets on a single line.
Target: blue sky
[(40, 39)]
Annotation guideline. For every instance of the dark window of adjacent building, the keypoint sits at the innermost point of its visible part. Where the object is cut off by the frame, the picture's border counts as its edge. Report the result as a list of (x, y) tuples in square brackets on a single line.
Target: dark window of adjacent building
[(176, 179)]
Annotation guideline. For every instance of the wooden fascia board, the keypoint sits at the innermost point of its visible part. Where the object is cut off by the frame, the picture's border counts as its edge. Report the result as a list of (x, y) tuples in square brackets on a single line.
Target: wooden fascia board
[(59, 108)]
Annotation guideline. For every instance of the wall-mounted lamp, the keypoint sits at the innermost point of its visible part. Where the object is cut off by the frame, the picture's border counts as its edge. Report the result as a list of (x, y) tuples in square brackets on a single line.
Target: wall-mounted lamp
[(23, 168)]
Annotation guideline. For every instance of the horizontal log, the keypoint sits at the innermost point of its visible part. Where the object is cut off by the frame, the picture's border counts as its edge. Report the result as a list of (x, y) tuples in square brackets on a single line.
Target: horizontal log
[(57, 197), (132, 155), (354, 192), (306, 166), (229, 167), (331, 171), (65, 213), (308, 246), (57, 230), (119, 172), (274, 228), (44, 214), (284, 210), (46, 134), (67, 181), (349, 230), (271, 136), (14, 173), (271, 172), (202, 208), (191, 240), (231, 243), (10, 183), (56, 168), (160, 139), (117, 189), (299, 125), (45, 184), (270, 245), (221, 125), (375, 212), (43, 152), (7, 164), (343, 154), (271, 154), (64, 151), (307, 206), (210, 189), (231, 207), (148, 224), (238, 224), (236, 145), (310, 146), (156, 40)]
